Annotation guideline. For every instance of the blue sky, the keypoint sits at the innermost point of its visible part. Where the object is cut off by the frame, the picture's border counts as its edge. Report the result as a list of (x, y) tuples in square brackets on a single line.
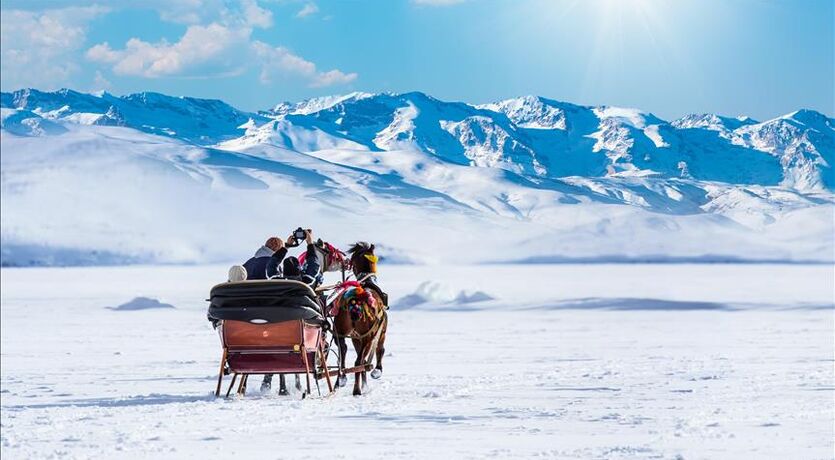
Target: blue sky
[(760, 58)]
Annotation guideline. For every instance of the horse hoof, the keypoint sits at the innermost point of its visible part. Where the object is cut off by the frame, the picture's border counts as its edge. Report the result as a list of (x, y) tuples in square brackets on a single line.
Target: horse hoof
[(357, 393), (265, 387), (283, 392), (376, 373), (341, 381)]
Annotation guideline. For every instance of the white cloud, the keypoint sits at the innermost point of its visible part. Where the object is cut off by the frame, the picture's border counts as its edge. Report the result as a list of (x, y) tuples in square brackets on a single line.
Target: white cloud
[(221, 48), (193, 12), (332, 77), (214, 49), (437, 2), (307, 10), (100, 83), (43, 48), (255, 16), (176, 11), (37, 47), (280, 61), (186, 11)]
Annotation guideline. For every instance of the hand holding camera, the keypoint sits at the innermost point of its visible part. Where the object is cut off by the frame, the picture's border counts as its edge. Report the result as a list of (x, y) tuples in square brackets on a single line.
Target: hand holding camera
[(298, 236)]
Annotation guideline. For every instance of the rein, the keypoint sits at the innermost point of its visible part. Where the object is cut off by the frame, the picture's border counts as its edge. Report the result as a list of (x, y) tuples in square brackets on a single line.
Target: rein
[(337, 285)]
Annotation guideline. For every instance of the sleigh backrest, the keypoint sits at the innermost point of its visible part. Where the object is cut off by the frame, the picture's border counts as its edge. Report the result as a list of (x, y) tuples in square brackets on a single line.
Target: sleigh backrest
[(283, 336)]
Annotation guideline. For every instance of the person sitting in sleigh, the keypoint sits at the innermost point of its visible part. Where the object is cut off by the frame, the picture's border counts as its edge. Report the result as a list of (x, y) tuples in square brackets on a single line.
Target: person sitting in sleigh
[(308, 272)]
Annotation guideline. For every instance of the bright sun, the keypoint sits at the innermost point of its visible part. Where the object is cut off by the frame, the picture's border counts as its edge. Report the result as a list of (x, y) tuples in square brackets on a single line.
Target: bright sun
[(626, 10)]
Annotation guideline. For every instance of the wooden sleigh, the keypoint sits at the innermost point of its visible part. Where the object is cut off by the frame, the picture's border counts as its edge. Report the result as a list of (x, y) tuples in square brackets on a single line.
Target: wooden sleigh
[(270, 327)]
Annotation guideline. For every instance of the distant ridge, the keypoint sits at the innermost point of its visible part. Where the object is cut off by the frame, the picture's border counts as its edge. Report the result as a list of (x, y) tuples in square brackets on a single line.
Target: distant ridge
[(151, 178), (528, 135)]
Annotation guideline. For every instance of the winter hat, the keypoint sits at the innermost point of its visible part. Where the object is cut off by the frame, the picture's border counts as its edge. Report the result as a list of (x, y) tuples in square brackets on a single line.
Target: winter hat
[(237, 273), (291, 268)]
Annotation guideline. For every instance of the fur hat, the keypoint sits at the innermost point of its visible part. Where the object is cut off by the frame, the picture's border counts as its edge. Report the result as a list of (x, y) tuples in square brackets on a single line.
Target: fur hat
[(237, 273)]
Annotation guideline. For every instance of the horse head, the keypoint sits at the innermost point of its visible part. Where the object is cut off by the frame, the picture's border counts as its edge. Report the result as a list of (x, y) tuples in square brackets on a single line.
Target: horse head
[(363, 261), (333, 260)]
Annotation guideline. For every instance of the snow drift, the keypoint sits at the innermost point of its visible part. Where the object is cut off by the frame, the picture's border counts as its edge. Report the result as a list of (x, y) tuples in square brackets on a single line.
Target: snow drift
[(141, 303)]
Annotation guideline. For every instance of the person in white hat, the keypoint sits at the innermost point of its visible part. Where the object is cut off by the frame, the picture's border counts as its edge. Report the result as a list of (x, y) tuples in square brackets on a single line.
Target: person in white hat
[(237, 273)]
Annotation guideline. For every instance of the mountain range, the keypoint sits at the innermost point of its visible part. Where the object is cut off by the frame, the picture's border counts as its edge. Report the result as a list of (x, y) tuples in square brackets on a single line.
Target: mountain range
[(146, 177)]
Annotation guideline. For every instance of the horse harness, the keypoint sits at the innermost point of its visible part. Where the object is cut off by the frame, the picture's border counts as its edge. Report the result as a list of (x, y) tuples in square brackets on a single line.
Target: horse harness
[(380, 319), (380, 316)]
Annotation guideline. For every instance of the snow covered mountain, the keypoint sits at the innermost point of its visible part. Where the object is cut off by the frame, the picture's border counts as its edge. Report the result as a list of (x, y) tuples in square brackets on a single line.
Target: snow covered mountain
[(202, 121), (92, 178), (546, 138)]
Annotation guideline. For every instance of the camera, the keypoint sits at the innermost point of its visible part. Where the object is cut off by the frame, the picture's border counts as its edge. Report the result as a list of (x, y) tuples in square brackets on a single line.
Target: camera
[(299, 234)]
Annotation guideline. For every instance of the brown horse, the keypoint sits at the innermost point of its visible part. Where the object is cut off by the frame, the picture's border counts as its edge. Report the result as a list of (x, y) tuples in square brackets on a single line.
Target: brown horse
[(363, 318)]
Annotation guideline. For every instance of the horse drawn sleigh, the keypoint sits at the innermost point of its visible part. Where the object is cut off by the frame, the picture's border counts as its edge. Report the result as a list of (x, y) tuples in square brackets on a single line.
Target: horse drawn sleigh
[(283, 326)]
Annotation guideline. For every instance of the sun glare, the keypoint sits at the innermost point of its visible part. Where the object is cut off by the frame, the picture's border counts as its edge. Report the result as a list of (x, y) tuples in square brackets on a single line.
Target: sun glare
[(622, 5), (620, 30), (627, 13)]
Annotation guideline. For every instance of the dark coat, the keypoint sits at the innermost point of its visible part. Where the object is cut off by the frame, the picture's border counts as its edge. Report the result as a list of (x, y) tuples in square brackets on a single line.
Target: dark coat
[(257, 267), (309, 273), (273, 262)]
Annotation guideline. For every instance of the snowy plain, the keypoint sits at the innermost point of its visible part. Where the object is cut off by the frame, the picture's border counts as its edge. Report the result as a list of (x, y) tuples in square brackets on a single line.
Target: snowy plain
[(567, 361)]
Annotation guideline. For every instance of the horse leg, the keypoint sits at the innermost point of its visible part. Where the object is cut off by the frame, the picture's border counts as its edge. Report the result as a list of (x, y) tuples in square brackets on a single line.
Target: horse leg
[(359, 347), (298, 382), (282, 387), (267, 383), (366, 353), (364, 380), (381, 350), (357, 378), (341, 380)]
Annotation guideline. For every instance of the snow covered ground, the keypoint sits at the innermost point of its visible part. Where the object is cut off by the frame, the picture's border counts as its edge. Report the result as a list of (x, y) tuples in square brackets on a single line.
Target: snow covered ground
[(585, 361)]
